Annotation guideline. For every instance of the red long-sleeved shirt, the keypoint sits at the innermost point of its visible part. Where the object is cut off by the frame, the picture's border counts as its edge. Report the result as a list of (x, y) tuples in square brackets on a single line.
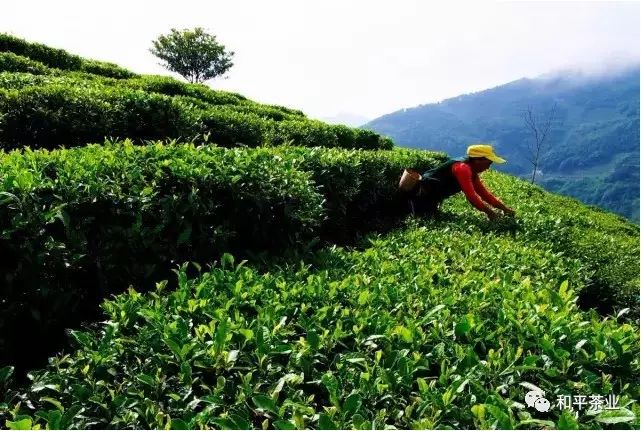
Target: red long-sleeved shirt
[(472, 187)]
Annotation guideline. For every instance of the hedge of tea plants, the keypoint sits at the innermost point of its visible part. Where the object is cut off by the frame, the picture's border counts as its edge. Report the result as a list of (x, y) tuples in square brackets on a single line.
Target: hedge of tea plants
[(59, 58), (61, 115), (198, 94), (52, 111), (50, 98), (80, 224), (605, 243), (10, 62), (430, 327), (121, 214)]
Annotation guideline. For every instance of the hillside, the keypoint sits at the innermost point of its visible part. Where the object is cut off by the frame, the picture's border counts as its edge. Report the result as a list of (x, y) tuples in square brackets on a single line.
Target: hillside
[(217, 263), (593, 148), (65, 100)]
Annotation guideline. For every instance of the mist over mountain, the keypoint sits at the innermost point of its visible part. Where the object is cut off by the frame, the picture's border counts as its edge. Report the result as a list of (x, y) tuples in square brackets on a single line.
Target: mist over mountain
[(346, 118), (592, 150)]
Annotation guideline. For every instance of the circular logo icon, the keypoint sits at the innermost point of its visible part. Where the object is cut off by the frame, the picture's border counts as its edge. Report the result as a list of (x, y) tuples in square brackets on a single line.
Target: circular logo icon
[(542, 405), (537, 400), (532, 396)]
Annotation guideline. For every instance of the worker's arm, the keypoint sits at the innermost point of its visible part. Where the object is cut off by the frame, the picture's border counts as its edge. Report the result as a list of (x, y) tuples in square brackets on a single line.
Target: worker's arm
[(485, 194), (463, 174), (489, 197)]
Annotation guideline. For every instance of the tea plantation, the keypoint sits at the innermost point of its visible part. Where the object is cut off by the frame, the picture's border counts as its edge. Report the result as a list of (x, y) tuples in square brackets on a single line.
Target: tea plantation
[(218, 263)]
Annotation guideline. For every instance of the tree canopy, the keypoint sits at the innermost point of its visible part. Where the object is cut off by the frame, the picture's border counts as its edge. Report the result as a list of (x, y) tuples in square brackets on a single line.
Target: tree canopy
[(194, 54)]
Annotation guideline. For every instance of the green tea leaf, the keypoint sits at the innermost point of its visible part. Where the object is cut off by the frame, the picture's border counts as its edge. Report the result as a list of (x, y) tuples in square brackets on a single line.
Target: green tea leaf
[(146, 379), (422, 385), (504, 421), (23, 424), (615, 416), (617, 347), (580, 344), (265, 403), (54, 420), (544, 423), (563, 288), (478, 410), (284, 425), (53, 401), (186, 374), (179, 424), (173, 346), (313, 339), (225, 423), (463, 326), (5, 374), (352, 404), (404, 333), (331, 383), (325, 423), (69, 415), (221, 334), (567, 421)]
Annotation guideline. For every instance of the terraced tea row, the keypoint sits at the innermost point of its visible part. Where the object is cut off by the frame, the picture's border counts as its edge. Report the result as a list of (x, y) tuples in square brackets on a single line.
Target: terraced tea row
[(429, 327), (82, 223), (50, 98)]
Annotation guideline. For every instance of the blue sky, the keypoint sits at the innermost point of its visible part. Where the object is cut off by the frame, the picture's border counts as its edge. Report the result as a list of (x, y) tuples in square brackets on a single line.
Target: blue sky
[(366, 58)]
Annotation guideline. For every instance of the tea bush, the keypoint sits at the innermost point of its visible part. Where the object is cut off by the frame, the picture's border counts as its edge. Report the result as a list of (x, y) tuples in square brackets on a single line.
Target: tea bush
[(108, 101), (310, 133), (359, 187), (82, 223), (172, 87), (20, 80), (59, 58), (79, 224), (10, 62), (103, 68), (430, 327), (44, 111), (606, 244), (61, 115)]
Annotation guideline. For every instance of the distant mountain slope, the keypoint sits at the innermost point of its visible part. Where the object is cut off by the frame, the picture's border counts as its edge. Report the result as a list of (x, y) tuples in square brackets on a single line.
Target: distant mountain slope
[(593, 148)]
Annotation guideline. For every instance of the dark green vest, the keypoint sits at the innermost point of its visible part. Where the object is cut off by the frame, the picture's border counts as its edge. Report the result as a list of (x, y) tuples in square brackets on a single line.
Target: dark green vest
[(439, 183)]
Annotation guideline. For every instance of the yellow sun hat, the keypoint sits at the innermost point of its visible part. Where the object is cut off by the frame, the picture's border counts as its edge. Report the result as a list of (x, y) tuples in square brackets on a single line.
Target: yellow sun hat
[(486, 151)]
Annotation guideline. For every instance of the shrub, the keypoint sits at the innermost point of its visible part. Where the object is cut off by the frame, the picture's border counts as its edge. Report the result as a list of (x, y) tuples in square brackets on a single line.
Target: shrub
[(51, 57), (59, 58), (80, 224), (105, 69), (10, 62), (173, 87), (228, 128), (451, 328), (73, 109), (59, 115), (606, 243), (359, 186), (19, 80)]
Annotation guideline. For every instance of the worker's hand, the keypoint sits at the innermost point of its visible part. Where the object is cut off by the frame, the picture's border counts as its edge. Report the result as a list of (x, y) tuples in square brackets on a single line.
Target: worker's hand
[(491, 214), (509, 212)]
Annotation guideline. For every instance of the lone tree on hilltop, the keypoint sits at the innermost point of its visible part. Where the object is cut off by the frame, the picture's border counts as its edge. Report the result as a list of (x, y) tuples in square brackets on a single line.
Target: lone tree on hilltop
[(194, 54)]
